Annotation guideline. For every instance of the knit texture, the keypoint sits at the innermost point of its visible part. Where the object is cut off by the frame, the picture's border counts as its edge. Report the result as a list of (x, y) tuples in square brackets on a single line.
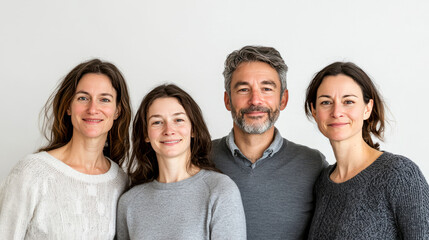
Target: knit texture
[(277, 191), (387, 200), (204, 206), (43, 198)]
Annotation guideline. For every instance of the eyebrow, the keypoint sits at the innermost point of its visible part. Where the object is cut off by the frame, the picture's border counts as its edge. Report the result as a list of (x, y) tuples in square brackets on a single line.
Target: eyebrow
[(264, 82), (159, 116), (86, 93), (345, 96)]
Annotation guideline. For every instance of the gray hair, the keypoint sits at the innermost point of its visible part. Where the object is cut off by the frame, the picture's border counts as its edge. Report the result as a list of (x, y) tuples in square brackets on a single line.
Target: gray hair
[(267, 55)]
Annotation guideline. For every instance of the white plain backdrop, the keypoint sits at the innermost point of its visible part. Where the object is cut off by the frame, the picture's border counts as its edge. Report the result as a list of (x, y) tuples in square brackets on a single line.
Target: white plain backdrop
[(186, 42)]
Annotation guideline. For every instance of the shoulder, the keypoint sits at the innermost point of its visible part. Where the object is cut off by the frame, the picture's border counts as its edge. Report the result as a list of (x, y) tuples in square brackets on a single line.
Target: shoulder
[(134, 193), (219, 143), (219, 183), (399, 167), (31, 165), (220, 152), (26, 176), (304, 153), (121, 175), (301, 149)]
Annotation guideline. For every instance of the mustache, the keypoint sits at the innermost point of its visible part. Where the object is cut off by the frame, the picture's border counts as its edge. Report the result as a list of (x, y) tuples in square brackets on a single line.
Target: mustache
[(255, 109)]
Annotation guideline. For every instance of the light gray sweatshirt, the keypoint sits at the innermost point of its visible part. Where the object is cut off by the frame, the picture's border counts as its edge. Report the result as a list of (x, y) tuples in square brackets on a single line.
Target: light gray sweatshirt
[(205, 206)]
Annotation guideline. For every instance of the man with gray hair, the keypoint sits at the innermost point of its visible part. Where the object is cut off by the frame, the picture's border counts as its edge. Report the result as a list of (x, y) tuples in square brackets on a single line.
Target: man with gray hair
[(275, 176)]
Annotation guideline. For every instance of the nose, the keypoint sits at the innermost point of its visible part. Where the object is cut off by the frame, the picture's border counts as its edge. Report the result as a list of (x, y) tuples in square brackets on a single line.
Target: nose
[(93, 107), (337, 110), (256, 97), (168, 129)]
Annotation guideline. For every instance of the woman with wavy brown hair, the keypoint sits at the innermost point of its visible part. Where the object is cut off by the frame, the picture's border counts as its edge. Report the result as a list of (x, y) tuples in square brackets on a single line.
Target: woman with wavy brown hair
[(69, 188), (176, 193), (367, 193)]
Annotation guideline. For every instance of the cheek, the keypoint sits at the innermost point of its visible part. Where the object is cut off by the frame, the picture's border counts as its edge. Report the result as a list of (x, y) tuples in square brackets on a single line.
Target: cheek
[(151, 134), (109, 111), (358, 114), (186, 131), (75, 109), (320, 116), (238, 100)]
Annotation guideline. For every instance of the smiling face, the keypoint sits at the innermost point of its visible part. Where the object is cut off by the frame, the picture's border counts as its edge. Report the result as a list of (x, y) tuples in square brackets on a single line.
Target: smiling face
[(255, 101), (93, 108), (169, 129), (340, 109)]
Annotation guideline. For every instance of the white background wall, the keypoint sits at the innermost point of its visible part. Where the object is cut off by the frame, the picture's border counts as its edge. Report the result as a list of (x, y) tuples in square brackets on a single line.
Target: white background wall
[(186, 42)]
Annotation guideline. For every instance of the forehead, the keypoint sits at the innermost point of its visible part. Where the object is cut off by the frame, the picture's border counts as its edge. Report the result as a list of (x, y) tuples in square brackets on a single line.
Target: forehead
[(339, 84), (165, 106), (254, 71), (94, 82)]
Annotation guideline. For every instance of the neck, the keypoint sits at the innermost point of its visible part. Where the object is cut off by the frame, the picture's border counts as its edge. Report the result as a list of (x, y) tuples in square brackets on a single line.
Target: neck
[(175, 169), (253, 145), (352, 158), (84, 155)]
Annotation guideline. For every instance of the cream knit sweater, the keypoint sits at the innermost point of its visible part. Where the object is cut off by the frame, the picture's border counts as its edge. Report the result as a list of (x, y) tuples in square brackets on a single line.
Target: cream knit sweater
[(43, 198)]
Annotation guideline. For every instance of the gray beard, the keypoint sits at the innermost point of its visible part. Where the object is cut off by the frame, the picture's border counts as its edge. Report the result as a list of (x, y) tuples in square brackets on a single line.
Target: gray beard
[(255, 128)]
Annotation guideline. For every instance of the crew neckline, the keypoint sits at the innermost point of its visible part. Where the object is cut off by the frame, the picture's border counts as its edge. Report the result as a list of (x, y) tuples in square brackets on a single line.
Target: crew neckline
[(183, 183), (363, 175), (73, 173)]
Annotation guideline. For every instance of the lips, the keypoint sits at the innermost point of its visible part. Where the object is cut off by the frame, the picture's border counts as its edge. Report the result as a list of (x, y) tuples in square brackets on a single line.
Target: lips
[(337, 124), (255, 111), (91, 120), (171, 141)]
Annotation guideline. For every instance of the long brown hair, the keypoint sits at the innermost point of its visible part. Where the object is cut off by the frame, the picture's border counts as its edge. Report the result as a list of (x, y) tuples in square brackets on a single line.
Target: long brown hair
[(57, 126), (143, 164), (375, 123)]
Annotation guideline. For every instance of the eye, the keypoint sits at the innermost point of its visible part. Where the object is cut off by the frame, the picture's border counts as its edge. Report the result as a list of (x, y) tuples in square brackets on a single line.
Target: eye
[(105, 100), (82, 98), (180, 120), (155, 123), (348, 102), (325, 103), (243, 90), (267, 89)]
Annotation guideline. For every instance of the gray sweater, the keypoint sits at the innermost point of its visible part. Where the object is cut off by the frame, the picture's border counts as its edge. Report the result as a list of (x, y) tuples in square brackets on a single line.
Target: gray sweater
[(277, 190), (204, 206), (387, 200)]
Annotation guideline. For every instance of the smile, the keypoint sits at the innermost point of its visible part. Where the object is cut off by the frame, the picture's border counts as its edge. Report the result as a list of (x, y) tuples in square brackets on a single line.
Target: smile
[(92, 120), (171, 142), (255, 113), (337, 124)]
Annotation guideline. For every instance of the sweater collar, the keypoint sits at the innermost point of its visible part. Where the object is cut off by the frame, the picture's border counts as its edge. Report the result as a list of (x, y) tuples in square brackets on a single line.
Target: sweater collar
[(274, 147)]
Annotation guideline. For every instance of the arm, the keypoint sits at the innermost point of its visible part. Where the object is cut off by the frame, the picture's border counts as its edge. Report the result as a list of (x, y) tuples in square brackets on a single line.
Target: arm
[(228, 220), (411, 202), (121, 220), (18, 199)]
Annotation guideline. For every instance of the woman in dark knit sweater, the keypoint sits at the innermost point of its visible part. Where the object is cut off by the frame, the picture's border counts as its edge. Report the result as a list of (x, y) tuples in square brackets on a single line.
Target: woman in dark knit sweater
[(366, 194)]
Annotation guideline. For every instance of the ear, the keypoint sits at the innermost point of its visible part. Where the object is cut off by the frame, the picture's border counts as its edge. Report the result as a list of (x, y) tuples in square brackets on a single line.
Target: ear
[(368, 109), (284, 99), (117, 112), (146, 139), (313, 111), (226, 99), (68, 111)]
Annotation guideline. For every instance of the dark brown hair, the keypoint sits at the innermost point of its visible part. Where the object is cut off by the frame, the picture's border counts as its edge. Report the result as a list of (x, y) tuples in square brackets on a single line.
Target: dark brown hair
[(57, 126), (375, 123), (143, 165)]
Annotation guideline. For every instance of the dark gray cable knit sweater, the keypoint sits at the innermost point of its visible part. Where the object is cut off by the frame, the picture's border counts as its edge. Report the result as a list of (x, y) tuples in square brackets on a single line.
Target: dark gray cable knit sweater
[(387, 200)]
